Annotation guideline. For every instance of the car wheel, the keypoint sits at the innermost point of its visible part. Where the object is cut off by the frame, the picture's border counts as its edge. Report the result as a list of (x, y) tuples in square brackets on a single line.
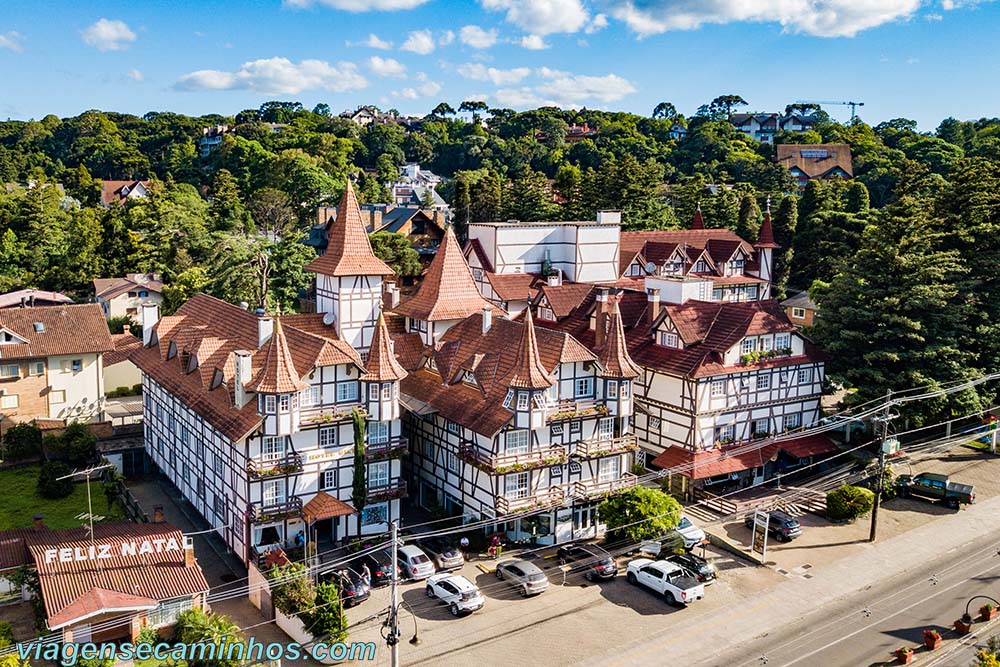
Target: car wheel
[(453, 608), (953, 503), (499, 573), (430, 592), (589, 576), (903, 493), (630, 578), (524, 591), (671, 600)]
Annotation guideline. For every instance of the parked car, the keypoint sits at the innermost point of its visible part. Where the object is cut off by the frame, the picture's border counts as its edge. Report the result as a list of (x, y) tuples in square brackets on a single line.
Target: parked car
[(523, 575), (460, 594), (692, 534), (381, 566), (353, 589), (595, 562), (445, 554), (414, 563), (671, 543), (703, 570), (781, 525), (933, 486), (668, 579)]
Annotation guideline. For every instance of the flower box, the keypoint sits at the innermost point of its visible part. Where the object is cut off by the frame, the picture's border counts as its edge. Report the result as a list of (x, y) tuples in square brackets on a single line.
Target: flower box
[(904, 654), (988, 612), (932, 639)]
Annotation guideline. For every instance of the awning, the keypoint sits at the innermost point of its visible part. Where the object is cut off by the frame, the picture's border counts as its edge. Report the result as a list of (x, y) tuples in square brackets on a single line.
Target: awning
[(325, 506), (714, 462), (809, 445)]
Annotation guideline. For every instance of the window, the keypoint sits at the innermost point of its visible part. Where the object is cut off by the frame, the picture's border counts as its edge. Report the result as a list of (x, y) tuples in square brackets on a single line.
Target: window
[(328, 436), (508, 398), (218, 464), (284, 403), (143, 294), (668, 339), (378, 474), (766, 343), (373, 392), (167, 612), (522, 400), (77, 365), (611, 388), (270, 404), (10, 371), (654, 423), (36, 368), (605, 428), (700, 267), (546, 314), (185, 435), (517, 442), (738, 265), (575, 427), (312, 395), (57, 396), (726, 433), (378, 432), (272, 448), (718, 388), (626, 387), (516, 485), (748, 345), (272, 493), (347, 392), (477, 273), (373, 514), (782, 341), (805, 375), (799, 313), (453, 427), (9, 401), (453, 462), (609, 469), (584, 387), (557, 429), (793, 421), (763, 382), (328, 479), (386, 391), (761, 426)]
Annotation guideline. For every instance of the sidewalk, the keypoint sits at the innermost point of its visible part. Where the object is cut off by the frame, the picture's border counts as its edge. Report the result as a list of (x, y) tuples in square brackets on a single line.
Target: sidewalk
[(692, 641)]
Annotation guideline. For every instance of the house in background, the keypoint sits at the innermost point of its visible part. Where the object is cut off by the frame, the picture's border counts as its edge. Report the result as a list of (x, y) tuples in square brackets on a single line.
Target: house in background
[(424, 228), (52, 363), (126, 296), (809, 161), (118, 192), (119, 371), (800, 309), (211, 138), (33, 297), (763, 126)]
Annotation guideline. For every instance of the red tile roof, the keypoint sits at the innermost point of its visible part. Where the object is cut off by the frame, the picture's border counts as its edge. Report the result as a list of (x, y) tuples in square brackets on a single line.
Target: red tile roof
[(766, 239), (562, 299), (382, 365), (325, 506), (448, 291), (125, 344), (614, 357), (66, 329), (515, 286), (527, 371), (109, 288), (698, 222), (712, 462), (111, 191), (348, 250), (278, 376)]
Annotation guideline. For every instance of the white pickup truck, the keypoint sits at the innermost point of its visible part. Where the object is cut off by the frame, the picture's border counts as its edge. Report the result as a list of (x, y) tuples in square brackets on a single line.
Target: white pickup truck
[(668, 579)]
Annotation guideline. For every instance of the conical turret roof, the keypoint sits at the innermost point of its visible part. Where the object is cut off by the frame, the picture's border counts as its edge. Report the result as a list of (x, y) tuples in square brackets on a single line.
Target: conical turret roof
[(382, 365), (348, 250), (698, 222), (614, 358), (527, 372), (766, 239), (278, 376)]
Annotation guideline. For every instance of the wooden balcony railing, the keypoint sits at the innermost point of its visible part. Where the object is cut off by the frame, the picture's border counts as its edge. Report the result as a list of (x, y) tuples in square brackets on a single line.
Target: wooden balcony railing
[(545, 497), (505, 463), (593, 487), (261, 513), (589, 449), (286, 465), (327, 414), (392, 490), (562, 410), (375, 451)]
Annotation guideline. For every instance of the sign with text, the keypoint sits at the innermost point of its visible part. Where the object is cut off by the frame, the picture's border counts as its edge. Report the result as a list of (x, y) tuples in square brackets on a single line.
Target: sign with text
[(760, 522), (107, 551)]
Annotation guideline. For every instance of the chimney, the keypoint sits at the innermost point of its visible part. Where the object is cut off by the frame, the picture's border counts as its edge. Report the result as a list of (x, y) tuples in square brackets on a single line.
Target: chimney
[(189, 560), (601, 326), (265, 327), (158, 514), (39, 524), (653, 304), (242, 375), (150, 316), (555, 280), (390, 296), (487, 319), (609, 217), (376, 219)]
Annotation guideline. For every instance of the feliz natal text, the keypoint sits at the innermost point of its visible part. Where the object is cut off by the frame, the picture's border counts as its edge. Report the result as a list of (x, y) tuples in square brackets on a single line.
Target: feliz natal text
[(106, 551)]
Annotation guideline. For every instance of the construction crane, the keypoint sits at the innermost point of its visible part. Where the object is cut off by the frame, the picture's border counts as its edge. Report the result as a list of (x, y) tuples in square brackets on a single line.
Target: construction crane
[(853, 105)]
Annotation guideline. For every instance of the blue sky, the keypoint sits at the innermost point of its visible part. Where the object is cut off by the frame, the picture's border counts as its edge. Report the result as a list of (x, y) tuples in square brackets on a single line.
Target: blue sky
[(922, 59)]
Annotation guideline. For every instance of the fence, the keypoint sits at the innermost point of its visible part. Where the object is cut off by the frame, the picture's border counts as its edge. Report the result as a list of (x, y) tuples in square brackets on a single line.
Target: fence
[(124, 497)]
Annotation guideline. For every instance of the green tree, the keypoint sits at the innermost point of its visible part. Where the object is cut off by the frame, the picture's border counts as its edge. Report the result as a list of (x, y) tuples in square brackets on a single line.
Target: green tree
[(395, 250), (196, 626), (327, 621), (783, 223), (359, 486), (443, 109), (848, 503), (292, 590), (22, 441), (638, 514), (227, 210), (183, 287), (289, 278), (748, 224), (529, 199), (53, 482), (665, 110)]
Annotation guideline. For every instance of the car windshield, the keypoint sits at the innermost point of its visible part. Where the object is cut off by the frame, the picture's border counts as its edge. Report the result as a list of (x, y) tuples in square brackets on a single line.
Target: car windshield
[(419, 559), (684, 523)]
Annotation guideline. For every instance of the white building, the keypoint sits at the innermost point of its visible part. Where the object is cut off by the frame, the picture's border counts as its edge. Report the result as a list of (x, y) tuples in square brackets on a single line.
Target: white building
[(126, 296)]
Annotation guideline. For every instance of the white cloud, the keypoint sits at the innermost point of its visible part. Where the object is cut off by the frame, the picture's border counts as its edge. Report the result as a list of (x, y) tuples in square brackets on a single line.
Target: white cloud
[(934, 17), (136, 75), (277, 76), (358, 5), (105, 35), (373, 42), (821, 18), (533, 43), (386, 67), (419, 41), (477, 38), (542, 17), (12, 41), (499, 77), (447, 37), (564, 89), (600, 22), (427, 88)]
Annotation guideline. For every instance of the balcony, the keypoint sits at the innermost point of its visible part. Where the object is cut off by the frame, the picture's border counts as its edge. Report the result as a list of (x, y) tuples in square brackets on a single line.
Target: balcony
[(500, 464), (285, 465), (391, 448), (593, 487), (591, 449), (320, 415), (551, 496), (285, 509), (390, 491), (562, 410)]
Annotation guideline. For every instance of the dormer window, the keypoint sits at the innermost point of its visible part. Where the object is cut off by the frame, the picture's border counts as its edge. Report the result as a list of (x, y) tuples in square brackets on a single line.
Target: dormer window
[(522, 400), (738, 266), (546, 314), (508, 398), (669, 339), (748, 345), (783, 341), (701, 267)]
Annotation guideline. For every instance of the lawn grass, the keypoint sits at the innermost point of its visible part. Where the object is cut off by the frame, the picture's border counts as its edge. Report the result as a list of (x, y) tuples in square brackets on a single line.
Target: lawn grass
[(21, 502)]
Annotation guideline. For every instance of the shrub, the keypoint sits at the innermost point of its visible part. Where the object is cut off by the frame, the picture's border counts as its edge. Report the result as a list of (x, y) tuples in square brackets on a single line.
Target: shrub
[(849, 503), (147, 635), (22, 441), (6, 634), (327, 621), (49, 484), (295, 593), (76, 446)]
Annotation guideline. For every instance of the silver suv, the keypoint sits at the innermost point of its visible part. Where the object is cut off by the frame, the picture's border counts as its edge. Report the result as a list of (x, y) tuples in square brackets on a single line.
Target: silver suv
[(524, 575)]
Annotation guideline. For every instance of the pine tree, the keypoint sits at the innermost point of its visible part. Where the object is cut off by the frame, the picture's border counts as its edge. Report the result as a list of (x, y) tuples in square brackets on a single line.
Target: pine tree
[(748, 222), (783, 222)]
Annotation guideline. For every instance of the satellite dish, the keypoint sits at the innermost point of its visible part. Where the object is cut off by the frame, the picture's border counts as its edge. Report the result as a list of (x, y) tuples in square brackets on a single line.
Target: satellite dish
[(327, 319), (650, 267)]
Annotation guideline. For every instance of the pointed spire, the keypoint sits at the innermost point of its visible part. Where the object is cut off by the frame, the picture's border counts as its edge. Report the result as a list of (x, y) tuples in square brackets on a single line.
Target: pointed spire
[(766, 239), (614, 357), (348, 250), (278, 375), (699, 222), (448, 290), (528, 371), (382, 365)]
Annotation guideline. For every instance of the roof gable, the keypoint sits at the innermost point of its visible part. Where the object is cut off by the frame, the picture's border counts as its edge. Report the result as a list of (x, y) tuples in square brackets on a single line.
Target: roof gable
[(348, 251)]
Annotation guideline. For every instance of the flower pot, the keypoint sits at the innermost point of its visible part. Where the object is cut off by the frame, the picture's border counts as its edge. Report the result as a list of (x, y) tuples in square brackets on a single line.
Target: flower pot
[(988, 613), (904, 657), (963, 627), (932, 643)]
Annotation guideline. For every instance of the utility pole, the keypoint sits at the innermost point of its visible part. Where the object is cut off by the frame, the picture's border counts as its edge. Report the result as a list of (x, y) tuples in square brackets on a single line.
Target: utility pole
[(880, 481), (392, 637)]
